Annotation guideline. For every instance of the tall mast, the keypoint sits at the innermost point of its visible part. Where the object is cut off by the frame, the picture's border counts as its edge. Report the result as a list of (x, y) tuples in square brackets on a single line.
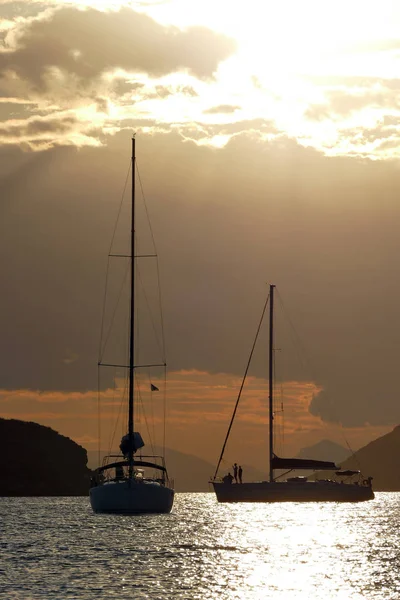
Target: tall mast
[(271, 381), (132, 318)]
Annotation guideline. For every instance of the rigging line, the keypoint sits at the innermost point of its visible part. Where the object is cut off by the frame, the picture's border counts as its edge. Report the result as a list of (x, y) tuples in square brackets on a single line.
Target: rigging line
[(144, 416), (273, 392), (145, 207), (279, 426), (118, 420), (122, 406), (110, 433), (241, 387), (120, 206), (138, 401), (152, 409), (157, 261), (353, 454), (298, 344), (163, 344), (103, 312), (297, 338), (164, 353), (160, 345), (108, 261), (283, 421), (153, 436), (137, 375), (165, 408), (114, 314), (98, 416)]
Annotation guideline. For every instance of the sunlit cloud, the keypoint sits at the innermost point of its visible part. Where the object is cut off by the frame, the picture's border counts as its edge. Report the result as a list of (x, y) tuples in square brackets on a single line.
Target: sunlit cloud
[(64, 128), (199, 404), (200, 66)]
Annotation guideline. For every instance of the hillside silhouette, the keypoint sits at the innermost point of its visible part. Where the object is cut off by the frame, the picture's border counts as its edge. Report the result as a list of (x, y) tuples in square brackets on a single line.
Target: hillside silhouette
[(37, 461), (380, 460)]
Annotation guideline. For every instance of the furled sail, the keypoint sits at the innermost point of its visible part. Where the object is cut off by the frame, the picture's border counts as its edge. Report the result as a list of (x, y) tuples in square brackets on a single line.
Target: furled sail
[(137, 443), (300, 463)]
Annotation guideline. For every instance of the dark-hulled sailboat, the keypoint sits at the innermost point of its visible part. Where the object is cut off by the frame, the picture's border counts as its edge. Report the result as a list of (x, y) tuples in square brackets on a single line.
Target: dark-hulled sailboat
[(121, 484), (295, 488)]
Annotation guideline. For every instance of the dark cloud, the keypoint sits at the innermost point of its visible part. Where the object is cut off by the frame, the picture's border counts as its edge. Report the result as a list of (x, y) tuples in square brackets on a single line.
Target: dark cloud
[(37, 126), (226, 109), (386, 131), (86, 43), (340, 103), (122, 87), (227, 222), (13, 110)]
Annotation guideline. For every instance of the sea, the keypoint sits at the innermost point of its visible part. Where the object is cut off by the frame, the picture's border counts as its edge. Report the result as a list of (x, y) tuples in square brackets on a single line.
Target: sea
[(56, 548)]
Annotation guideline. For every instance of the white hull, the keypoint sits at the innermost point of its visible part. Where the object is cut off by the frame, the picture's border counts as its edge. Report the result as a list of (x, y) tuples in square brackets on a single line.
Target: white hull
[(131, 497), (288, 491)]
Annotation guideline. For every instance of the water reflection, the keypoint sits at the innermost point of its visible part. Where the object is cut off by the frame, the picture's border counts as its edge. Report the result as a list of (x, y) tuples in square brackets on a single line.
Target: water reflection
[(57, 548)]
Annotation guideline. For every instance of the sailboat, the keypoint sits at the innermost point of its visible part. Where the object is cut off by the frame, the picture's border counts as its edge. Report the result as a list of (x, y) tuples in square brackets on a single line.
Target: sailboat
[(121, 484), (348, 485)]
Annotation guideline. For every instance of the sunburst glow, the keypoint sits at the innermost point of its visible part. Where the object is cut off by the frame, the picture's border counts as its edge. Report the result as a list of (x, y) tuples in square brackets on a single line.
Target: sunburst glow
[(320, 73)]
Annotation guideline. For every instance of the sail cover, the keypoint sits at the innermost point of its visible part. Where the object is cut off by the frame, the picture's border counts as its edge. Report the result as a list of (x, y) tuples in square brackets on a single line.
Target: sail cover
[(300, 463), (137, 443)]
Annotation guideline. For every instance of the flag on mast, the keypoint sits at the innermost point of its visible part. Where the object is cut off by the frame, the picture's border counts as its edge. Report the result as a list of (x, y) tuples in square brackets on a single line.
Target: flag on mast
[(154, 388)]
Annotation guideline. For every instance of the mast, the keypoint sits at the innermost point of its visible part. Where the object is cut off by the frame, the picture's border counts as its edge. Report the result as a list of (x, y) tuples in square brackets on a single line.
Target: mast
[(271, 382), (132, 319)]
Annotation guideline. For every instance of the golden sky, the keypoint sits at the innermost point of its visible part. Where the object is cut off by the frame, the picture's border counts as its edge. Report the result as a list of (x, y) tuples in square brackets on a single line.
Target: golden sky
[(323, 73), (268, 142), (199, 408)]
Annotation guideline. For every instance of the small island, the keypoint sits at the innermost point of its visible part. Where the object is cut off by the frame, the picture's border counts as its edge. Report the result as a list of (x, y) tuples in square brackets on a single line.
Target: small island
[(38, 461)]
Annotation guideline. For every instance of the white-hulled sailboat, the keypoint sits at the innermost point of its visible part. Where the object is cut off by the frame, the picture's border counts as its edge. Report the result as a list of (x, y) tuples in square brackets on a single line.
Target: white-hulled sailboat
[(292, 489), (122, 485)]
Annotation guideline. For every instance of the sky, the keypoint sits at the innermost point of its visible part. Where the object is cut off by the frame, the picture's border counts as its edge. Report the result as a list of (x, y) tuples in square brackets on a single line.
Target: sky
[(267, 141)]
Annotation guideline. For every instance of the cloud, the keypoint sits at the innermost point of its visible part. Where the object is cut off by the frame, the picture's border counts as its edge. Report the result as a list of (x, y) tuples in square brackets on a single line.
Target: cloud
[(37, 127), (196, 79), (66, 80), (200, 406), (88, 43), (324, 230), (342, 103), (41, 134), (221, 109)]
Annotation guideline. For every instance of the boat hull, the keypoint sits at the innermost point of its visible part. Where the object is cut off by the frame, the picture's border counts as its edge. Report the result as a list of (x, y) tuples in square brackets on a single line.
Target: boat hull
[(130, 497), (286, 491)]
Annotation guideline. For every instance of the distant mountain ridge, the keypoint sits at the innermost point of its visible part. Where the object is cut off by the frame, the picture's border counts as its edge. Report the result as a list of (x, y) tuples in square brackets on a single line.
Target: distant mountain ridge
[(325, 450), (37, 461)]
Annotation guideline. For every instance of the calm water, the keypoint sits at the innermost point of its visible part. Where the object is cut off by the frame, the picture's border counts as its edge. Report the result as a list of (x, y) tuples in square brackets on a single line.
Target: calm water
[(57, 548)]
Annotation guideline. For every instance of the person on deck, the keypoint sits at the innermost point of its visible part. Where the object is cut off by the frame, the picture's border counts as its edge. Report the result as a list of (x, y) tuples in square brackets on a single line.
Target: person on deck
[(240, 472), (228, 478), (235, 472)]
